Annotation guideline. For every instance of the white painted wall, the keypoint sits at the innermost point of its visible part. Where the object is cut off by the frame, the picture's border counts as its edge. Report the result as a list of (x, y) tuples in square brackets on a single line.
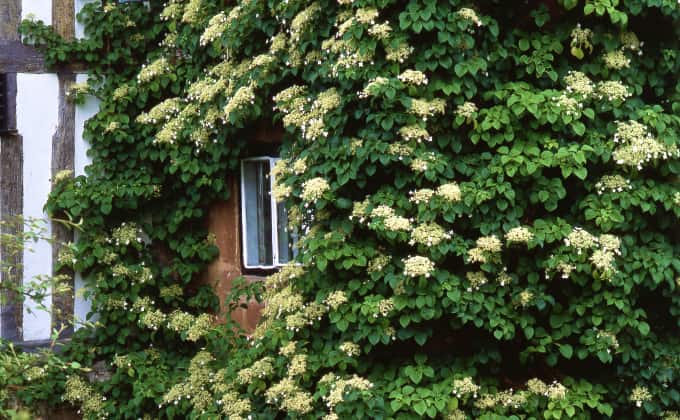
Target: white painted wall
[(80, 28), (84, 112), (37, 9), (37, 119)]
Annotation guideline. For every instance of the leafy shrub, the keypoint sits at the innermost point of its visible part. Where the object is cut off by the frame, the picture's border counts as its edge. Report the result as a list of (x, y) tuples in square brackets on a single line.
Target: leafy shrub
[(488, 197)]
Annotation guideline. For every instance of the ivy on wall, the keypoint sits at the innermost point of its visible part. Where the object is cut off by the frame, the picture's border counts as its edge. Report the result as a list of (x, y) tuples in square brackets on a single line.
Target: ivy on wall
[(488, 197)]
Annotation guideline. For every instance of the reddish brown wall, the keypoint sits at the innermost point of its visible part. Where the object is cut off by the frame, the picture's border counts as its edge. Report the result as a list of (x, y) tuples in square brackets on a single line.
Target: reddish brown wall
[(225, 223)]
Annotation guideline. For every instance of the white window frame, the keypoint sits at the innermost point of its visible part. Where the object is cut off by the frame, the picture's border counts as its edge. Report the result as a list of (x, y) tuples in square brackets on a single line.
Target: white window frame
[(274, 215)]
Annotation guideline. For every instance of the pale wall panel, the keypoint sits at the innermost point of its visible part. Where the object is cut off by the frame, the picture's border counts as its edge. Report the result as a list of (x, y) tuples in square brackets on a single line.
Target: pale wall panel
[(84, 112), (80, 28), (37, 118), (37, 9)]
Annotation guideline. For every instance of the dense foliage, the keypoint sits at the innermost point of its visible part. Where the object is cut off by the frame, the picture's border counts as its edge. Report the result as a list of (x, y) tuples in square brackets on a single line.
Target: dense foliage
[(487, 193)]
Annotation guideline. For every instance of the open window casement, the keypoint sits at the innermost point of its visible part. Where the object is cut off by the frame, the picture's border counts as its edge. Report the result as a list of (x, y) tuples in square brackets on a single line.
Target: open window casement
[(267, 243)]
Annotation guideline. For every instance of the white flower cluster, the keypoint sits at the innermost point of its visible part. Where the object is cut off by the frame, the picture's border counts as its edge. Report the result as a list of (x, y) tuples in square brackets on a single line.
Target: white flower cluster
[(216, 27), (289, 397), (613, 183), (244, 97), (580, 38), (314, 189), (382, 210), (464, 387), (400, 150), (380, 30), (340, 387), (418, 266), (606, 248), (467, 110), (192, 11), (204, 90), (373, 87), (630, 41), (616, 60), (150, 71), (397, 223), (639, 395), (477, 279), (413, 77), (302, 20), (554, 391), (336, 299), (423, 162), (421, 196), (580, 239), (350, 349), (164, 111), (578, 83), (486, 250), (126, 234), (519, 234), (638, 147), (470, 15), (414, 132), (429, 234), (613, 91), (302, 112), (449, 192), (570, 106), (425, 109), (398, 53)]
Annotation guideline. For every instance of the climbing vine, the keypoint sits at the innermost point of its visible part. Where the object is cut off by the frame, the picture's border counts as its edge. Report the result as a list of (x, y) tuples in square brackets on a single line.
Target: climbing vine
[(487, 197)]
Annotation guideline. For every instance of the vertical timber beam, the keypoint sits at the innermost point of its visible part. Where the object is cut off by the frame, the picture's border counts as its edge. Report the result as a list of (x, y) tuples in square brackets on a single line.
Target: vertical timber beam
[(11, 206), (63, 144), (63, 18), (10, 15)]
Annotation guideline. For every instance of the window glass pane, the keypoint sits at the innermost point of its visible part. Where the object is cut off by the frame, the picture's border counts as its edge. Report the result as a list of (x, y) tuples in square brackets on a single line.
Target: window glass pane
[(287, 240), (258, 217)]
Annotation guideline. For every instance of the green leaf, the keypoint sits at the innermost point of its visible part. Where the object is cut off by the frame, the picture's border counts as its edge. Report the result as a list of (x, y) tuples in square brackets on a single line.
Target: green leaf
[(577, 52), (420, 407), (524, 44), (643, 327), (415, 375), (566, 350), (581, 173), (579, 128)]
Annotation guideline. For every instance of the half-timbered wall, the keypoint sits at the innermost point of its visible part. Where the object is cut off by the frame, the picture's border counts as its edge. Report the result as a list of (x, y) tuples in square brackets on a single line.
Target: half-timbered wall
[(46, 137)]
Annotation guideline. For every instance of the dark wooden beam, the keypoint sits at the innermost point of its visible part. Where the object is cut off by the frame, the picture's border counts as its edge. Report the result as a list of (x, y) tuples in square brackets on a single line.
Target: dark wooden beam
[(16, 57), (11, 206), (63, 155)]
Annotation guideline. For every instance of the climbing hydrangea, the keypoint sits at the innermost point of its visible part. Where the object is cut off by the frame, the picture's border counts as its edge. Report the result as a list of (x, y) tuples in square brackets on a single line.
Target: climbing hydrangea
[(456, 180)]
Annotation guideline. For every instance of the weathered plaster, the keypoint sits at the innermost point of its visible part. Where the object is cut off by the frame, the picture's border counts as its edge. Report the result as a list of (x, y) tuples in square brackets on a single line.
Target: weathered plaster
[(37, 119), (79, 27), (83, 112), (224, 223), (37, 10)]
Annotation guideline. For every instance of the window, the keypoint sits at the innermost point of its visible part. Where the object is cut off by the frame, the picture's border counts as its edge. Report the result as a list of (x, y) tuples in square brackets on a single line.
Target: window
[(267, 243)]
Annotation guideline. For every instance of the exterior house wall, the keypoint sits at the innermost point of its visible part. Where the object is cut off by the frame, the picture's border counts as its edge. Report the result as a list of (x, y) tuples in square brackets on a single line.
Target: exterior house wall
[(224, 222), (48, 139)]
